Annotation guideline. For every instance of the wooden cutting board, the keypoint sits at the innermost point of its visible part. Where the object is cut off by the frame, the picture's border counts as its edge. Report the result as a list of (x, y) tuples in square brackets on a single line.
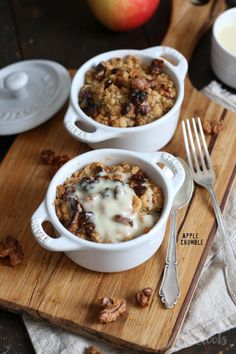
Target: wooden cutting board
[(50, 287)]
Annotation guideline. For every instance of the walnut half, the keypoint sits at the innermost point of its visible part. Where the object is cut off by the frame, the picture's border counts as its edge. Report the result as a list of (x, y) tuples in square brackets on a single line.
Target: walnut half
[(143, 297), (11, 248), (111, 309)]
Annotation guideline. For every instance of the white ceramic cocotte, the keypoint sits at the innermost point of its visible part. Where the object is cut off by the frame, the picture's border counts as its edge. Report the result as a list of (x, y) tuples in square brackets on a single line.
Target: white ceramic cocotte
[(149, 137), (113, 257)]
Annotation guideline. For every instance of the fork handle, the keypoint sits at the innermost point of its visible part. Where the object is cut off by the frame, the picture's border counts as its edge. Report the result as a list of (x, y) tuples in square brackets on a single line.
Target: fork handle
[(228, 249), (169, 289)]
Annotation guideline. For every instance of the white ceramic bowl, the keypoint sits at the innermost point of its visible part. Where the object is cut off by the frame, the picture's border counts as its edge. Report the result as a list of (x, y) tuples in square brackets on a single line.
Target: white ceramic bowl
[(222, 61), (149, 137), (113, 257)]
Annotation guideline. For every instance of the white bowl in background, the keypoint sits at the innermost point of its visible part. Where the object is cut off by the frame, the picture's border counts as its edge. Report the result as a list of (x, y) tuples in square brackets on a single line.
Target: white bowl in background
[(223, 62), (114, 257), (149, 137)]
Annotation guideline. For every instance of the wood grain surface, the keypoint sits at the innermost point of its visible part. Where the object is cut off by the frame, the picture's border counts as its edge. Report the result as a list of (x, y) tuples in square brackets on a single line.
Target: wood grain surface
[(51, 287)]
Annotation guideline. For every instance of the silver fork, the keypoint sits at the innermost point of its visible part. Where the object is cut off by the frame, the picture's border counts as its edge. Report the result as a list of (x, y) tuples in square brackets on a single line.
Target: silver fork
[(203, 174)]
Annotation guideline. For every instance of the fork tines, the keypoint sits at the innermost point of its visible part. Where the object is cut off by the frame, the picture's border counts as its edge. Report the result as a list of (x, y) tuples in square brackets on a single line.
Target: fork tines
[(195, 146)]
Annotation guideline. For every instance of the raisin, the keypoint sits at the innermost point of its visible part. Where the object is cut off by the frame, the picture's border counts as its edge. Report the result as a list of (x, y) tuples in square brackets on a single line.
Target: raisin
[(100, 72), (107, 83), (123, 220), (139, 190), (138, 97), (115, 71), (98, 170), (127, 108), (73, 203), (86, 96), (119, 81), (91, 109), (140, 177)]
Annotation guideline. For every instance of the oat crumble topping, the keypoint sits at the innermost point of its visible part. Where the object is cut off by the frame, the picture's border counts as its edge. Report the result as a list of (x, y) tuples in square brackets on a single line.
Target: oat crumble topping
[(126, 92)]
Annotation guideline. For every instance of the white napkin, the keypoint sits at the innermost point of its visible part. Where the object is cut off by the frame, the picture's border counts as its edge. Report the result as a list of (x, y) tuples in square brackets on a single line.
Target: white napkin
[(211, 311)]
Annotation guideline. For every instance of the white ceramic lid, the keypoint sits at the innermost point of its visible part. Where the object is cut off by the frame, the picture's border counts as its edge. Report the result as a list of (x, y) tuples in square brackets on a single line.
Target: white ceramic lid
[(31, 92)]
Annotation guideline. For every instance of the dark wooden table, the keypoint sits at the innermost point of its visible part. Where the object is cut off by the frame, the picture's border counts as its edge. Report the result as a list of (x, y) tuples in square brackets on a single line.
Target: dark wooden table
[(66, 31)]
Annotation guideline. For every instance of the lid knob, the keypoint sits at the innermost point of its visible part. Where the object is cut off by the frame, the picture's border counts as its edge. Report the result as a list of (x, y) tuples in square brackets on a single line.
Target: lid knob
[(16, 83)]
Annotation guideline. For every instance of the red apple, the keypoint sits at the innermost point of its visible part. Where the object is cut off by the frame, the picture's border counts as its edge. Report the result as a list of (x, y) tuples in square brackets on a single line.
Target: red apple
[(123, 15)]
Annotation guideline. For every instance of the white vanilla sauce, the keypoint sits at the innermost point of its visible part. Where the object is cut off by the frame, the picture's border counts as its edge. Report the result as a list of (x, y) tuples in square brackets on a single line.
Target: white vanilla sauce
[(108, 198), (227, 38)]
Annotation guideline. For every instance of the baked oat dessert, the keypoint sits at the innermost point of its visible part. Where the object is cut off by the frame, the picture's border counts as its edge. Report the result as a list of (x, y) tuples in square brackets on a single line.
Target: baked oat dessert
[(108, 203), (127, 92)]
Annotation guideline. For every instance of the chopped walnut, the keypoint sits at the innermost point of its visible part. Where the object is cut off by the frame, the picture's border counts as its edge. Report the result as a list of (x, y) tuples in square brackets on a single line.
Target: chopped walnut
[(217, 126), (59, 161), (140, 84), (11, 248), (213, 127), (93, 350), (48, 157), (111, 309), (74, 222), (156, 66), (143, 297), (207, 127)]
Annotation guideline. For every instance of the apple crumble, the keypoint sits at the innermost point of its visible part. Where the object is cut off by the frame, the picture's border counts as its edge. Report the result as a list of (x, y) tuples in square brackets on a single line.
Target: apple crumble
[(107, 204), (127, 92)]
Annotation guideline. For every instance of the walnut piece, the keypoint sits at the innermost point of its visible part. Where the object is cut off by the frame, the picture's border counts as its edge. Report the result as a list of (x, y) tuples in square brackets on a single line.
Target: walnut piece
[(59, 161), (48, 157), (214, 127), (143, 297), (11, 248), (217, 126), (156, 66), (111, 309), (93, 350), (140, 84)]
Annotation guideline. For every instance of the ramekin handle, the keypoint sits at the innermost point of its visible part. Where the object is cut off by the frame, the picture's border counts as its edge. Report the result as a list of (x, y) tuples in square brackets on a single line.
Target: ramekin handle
[(176, 59), (61, 243), (98, 135), (172, 163)]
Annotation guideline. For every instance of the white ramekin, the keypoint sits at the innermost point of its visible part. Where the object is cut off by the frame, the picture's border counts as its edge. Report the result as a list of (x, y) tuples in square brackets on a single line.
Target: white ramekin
[(149, 137), (117, 256), (222, 61)]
